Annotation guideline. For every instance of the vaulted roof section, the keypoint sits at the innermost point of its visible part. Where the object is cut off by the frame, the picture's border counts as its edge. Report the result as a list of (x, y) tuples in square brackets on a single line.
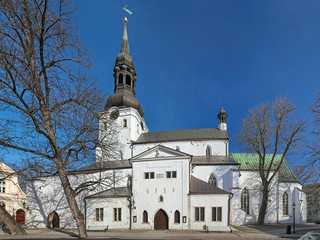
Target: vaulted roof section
[(250, 162), (113, 193), (182, 135), (213, 160), (103, 166), (199, 187)]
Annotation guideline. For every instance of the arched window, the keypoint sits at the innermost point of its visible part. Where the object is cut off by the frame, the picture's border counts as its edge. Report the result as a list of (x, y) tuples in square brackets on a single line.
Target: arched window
[(208, 151), (124, 123), (176, 216), (212, 180), (145, 217), (128, 80), (2, 204), (285, 204), (245, 198), (160, 199), (120, 78)]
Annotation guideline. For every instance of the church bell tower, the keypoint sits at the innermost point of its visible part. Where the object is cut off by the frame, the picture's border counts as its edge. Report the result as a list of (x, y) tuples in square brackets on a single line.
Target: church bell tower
[(123, 109)]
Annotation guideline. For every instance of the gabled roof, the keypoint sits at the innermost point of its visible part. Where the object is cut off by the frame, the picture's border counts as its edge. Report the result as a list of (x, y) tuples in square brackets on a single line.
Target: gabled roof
[(113, 193), (182, 135), (198, 186), (213, 160), (251, 162), (159, 152), (102, 166)]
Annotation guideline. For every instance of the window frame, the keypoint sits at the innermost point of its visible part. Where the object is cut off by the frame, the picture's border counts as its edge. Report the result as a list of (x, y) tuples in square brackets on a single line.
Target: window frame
[(177, 217), (99, 215), (199, 214), (171, 174), (148, 175), (216, 214), (285, 204), (245, 200), (145, 217), (117, 215)]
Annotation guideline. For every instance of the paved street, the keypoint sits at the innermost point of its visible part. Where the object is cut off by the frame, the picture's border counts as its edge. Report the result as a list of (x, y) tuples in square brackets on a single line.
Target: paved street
[(248, 232)]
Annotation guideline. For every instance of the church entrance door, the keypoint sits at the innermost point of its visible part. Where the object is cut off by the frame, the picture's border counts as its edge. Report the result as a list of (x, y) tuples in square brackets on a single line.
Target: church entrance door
[(161, 220), (54, 220), (20, 216)]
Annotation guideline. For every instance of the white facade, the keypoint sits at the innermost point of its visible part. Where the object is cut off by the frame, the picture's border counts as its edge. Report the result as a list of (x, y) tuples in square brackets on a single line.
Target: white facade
[(181, 179)]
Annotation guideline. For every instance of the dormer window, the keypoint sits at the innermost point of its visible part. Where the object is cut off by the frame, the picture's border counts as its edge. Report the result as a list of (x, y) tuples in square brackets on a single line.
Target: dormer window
[(212, 180), (124, 124)]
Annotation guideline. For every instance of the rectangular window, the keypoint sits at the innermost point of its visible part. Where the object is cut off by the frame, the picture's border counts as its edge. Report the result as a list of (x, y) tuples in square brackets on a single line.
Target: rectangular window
[(217, 214), (117, 214), (172, 174), (99, 214), (199, 214), (149, 175)]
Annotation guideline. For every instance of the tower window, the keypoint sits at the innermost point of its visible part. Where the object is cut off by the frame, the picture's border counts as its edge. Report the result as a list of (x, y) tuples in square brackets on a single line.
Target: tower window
[(128, 80), (124, 124), (176, 216), (145, 217), (120, 78)]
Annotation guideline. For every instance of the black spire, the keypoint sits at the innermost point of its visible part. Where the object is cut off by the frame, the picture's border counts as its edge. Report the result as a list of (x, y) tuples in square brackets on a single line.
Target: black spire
[(125, 78)]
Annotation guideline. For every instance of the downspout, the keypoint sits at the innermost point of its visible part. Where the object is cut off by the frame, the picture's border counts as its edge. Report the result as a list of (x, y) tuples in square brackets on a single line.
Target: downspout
[(229, 212), (130, 211), (85, 212)]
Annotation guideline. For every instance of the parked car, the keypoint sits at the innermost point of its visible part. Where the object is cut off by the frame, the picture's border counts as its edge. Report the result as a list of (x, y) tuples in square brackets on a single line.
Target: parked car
[(310, 236)]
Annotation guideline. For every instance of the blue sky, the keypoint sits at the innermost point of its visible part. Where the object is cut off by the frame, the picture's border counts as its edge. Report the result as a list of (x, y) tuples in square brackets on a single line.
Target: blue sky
[(194, 56)]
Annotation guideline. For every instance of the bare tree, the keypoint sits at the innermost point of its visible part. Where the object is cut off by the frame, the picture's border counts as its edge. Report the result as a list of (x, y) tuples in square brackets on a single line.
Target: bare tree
[(306, 173), (47, 101), (314, 146), (269, 129)]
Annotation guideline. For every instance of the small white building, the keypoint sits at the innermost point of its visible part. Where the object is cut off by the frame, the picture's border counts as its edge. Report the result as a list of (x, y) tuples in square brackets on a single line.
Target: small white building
[(12, 198), (180, 179)]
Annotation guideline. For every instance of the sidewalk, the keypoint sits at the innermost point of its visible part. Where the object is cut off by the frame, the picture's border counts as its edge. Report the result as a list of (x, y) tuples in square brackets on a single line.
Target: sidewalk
[(243, 232)]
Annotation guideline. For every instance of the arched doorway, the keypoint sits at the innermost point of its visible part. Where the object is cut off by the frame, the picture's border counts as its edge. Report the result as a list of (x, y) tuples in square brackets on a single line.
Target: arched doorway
[(54, 221), (161, 221), (20, 216)]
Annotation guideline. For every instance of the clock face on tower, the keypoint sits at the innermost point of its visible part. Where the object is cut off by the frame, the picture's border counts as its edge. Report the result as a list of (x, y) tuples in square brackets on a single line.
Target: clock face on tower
[(114, 114)]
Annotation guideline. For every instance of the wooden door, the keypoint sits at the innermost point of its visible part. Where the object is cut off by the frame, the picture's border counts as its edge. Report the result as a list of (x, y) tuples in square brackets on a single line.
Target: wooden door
[(161, 220), (20, 216), (54, 221)]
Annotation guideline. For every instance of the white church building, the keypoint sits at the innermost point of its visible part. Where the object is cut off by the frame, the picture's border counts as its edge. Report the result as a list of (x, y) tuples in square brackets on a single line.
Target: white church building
[(180, 179)]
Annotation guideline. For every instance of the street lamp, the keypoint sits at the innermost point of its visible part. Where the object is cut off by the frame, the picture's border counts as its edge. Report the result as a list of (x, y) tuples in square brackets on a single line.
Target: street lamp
[(294, 217)]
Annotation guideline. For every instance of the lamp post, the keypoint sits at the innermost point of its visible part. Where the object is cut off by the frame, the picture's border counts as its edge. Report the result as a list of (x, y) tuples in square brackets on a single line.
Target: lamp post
[(294, 217)]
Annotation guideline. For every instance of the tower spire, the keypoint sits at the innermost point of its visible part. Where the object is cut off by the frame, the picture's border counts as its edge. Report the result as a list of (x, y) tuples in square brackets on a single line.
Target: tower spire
[(125, 42), (125, 78)]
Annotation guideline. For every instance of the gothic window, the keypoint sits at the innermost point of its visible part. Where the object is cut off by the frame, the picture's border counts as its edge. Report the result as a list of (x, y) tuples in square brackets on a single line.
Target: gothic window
[(285, 204), (99, 214), (176, 216), (124, 124), (160, 199), (128, 80), (120, 78), (212, 180), (208, 151), (245, 198), (145, 217)]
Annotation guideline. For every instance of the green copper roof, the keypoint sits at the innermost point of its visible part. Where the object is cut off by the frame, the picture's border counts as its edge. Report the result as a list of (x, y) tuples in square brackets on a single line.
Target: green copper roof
[(251, 162)]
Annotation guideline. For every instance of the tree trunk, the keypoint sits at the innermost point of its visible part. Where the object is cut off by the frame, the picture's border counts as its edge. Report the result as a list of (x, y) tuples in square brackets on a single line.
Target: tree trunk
[(264, 205), (9, 221), (70, 196)]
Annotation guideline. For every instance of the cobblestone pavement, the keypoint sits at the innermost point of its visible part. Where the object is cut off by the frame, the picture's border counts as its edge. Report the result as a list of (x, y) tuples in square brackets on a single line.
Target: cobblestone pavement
[(245, 232)]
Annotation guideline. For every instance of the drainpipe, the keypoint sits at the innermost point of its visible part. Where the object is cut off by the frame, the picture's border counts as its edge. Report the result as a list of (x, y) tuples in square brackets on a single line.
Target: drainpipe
[(85, 212), (130, 211), (229, 212)]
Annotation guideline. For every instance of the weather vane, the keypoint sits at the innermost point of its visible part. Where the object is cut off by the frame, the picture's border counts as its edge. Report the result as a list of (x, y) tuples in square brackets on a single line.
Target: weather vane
[(127, 10)]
